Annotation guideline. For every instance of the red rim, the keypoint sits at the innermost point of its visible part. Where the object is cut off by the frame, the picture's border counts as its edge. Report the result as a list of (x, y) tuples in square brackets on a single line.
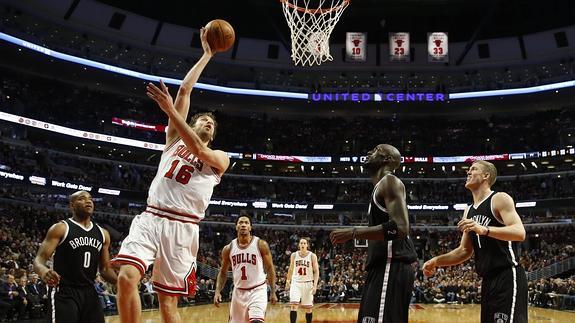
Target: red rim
[(315, 11)]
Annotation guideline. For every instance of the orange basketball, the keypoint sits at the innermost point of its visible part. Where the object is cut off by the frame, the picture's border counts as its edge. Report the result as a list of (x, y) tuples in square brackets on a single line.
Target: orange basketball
[(220, 35)]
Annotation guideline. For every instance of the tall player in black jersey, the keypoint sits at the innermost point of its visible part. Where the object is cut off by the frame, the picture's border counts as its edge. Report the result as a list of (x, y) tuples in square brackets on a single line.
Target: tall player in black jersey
[(390, 252), (492, 230), (80, 248)]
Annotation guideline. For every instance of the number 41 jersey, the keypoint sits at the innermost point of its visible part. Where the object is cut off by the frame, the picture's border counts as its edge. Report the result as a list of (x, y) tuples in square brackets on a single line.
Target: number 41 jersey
[(303, 271), (183, 186)]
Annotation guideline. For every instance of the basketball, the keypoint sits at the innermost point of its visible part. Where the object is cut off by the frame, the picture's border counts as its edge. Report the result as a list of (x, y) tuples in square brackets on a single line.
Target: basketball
[(220, 35)]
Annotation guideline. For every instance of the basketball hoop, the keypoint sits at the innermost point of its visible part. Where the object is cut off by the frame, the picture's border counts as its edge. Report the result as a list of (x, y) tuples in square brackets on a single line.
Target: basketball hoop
[(311, 23)]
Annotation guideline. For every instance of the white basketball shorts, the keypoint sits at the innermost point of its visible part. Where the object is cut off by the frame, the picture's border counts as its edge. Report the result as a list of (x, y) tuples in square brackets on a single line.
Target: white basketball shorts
[(172, 246), (301, 293), (249, 304)]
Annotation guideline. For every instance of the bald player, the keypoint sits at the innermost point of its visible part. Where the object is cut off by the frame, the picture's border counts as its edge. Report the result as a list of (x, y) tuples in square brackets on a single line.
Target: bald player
[(80, 249), (390, 252)]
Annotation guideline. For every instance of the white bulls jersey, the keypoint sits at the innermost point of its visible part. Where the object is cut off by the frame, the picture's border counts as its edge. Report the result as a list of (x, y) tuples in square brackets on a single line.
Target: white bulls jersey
[(303, 269), (183, 186), (247, 265)]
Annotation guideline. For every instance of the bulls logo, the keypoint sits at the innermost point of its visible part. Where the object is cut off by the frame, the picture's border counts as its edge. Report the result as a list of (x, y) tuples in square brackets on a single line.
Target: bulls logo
[(438, 42), (356, 42), (399, 42)]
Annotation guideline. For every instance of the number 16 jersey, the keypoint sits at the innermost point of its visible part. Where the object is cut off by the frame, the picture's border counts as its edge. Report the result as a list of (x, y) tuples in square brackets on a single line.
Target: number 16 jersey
[(183, 186)]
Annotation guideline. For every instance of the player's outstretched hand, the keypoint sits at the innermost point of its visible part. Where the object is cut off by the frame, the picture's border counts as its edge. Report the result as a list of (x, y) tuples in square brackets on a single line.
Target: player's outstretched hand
[(273, 298), (429, 267), (161, 96), (217, 299), (205, 45), (51, 278), (341, 235)]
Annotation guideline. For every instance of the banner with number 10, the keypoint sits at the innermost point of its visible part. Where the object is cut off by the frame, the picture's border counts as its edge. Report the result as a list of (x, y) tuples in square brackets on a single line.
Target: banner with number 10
[(355, 46)]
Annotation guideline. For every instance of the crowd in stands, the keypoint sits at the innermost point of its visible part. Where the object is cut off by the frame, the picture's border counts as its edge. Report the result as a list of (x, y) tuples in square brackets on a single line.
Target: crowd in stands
[(549, 247), (558, 293), (87, 151), (137, 178), (114, 208), (39, 98), (23, 225)]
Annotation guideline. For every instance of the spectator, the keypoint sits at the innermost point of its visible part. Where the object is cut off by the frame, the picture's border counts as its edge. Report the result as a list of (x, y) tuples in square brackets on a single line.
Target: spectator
[(147, 293), (16, 302)]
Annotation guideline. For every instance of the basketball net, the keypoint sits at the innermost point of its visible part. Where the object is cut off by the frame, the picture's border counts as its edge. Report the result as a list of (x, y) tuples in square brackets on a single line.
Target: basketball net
[(311, 27)]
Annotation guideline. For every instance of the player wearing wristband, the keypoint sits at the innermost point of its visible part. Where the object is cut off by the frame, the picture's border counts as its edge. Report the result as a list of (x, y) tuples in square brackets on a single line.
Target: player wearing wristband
[(390, 252), (492, 230)]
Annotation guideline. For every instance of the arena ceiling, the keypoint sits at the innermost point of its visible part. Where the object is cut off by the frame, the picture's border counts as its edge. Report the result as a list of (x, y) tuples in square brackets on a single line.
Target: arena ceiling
[(463, 19)]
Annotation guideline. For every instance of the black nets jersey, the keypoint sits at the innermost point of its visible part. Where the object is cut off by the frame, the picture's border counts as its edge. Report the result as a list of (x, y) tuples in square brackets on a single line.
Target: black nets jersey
[(77, 257), (379, 252), (490, 254)]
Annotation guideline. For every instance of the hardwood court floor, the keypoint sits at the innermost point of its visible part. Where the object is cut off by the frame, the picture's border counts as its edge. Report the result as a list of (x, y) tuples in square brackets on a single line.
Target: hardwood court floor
[(347, 313)]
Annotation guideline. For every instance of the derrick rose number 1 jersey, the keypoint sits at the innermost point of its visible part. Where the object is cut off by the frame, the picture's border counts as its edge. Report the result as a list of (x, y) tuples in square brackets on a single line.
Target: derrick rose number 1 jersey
[(247, 264), (183, 185)]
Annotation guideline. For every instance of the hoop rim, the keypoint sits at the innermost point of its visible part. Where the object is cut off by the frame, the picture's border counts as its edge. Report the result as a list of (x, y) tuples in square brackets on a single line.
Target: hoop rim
[(344, 3)]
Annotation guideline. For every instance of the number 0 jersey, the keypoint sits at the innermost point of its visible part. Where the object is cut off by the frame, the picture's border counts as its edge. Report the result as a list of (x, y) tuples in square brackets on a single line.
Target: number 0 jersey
[(247, 264), (183, 186), (77, 256)]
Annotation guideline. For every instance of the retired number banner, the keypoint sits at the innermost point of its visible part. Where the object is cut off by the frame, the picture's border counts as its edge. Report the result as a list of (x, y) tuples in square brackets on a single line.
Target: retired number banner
[(437, 47), (355, 47), (399, 47)]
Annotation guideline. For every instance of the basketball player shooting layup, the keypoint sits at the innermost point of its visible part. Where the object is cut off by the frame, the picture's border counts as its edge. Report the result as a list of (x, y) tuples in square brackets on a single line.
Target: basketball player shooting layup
[(491, 230), (166, 233), (81, 249), (250, 259), (302, 282), (390, 252)]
